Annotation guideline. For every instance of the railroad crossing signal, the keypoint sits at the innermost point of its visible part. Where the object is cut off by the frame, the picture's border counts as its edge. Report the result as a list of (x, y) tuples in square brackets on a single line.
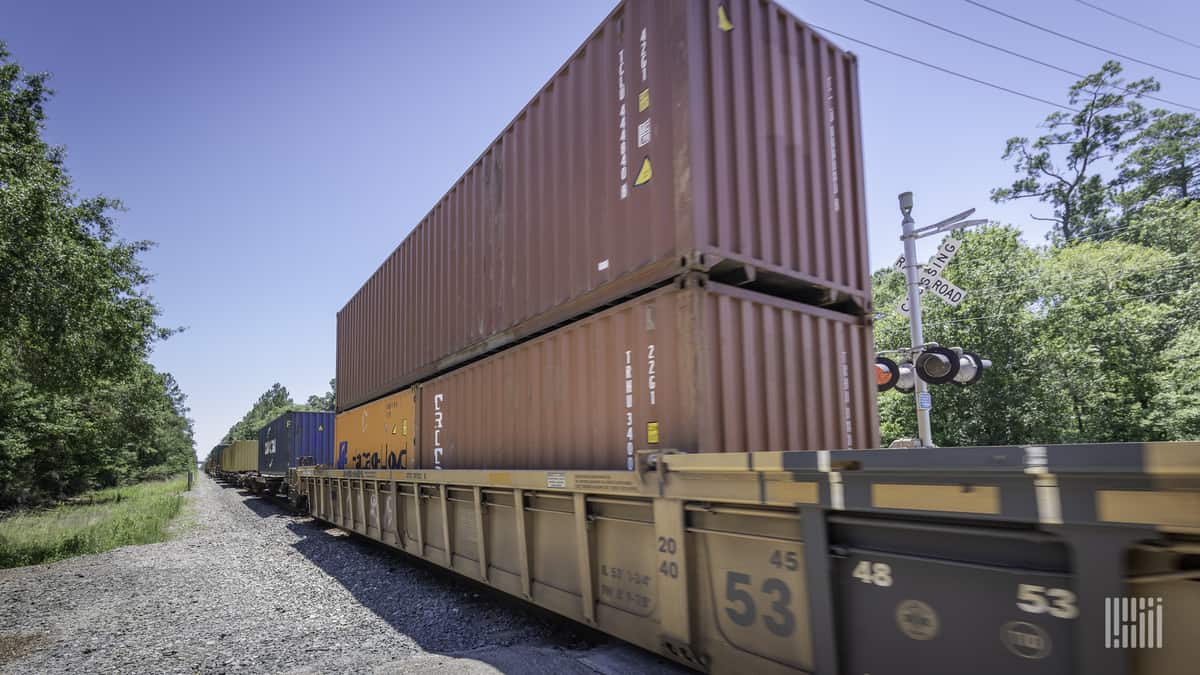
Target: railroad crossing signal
[(916, 281), (932, 364)]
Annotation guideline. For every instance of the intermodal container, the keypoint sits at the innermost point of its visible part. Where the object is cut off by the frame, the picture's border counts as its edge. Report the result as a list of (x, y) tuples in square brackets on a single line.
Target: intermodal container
[(240, 456), (295, 438), (216, 455), (696, 369), (379, 435), (683, 134)]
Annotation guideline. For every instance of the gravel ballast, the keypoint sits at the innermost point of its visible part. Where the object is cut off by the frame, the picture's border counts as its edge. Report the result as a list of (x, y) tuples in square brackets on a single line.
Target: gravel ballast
[(245, 586)]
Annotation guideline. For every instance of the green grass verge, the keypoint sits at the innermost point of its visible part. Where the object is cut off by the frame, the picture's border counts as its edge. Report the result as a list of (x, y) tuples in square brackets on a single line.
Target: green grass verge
[(96, 522)]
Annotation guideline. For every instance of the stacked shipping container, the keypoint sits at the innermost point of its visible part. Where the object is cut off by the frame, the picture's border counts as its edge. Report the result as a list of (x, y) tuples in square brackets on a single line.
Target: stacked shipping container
[(294, 437), (712, 369), (666, 142), (680, 145)]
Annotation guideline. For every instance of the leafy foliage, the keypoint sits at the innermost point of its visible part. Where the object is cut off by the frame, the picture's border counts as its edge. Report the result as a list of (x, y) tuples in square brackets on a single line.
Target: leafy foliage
[(1061, 167), (325, 402), (1162, 160), (271, 404), (1093, 337), (80, 407)]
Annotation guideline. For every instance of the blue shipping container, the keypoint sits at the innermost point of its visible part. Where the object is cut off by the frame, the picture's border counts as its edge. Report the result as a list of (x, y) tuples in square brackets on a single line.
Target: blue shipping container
[(295, 438)]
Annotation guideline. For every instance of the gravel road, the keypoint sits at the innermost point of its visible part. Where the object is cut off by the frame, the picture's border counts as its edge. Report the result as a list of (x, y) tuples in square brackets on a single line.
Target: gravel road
[(247, 587)]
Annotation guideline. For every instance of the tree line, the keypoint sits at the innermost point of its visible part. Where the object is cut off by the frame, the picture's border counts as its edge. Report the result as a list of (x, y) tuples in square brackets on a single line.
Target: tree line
[(273, 403), (80, 405), (1094, 334)]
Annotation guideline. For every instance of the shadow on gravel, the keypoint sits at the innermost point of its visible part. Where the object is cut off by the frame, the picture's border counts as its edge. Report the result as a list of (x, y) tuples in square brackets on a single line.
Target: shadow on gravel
[(443, 612), (265, 507)]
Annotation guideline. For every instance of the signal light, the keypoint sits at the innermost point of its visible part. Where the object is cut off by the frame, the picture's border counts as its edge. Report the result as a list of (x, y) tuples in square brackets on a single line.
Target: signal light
[(906, 382), (933, 364), (970, 368), (886, 373), (937, 365)]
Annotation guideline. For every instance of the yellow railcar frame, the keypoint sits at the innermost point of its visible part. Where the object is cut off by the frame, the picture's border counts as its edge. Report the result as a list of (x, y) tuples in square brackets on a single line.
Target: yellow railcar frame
[(641, 555)]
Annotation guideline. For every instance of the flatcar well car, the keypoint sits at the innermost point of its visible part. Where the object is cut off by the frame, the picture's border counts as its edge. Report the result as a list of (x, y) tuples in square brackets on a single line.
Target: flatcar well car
[(944, 561)]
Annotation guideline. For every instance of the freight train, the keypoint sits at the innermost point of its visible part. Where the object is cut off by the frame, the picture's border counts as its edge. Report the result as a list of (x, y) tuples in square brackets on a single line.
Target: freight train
[(622, 370), (294, 438)]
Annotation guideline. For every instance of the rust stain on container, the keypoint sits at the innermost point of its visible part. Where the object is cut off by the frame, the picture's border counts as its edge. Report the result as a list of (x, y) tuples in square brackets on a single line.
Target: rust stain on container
[(713, 369), (664, 143)]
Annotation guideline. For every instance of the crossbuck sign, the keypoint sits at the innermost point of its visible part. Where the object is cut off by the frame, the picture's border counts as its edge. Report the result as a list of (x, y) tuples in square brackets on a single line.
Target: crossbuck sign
[(931, 276)]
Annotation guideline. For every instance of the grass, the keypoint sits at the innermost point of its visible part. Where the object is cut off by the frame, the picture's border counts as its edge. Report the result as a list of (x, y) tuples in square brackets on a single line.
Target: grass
[(97, 522)]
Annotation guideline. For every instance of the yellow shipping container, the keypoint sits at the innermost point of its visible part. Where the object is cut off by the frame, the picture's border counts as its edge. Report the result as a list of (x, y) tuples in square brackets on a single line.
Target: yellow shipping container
[(378, 435), (240, 456)]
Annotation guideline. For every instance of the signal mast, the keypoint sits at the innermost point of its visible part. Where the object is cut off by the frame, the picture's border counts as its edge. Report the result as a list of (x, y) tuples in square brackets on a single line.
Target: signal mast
[(926, 363)]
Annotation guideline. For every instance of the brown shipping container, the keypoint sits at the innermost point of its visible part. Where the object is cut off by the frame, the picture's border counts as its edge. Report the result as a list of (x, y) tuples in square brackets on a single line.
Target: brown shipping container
[(676, 136), (713, 369)]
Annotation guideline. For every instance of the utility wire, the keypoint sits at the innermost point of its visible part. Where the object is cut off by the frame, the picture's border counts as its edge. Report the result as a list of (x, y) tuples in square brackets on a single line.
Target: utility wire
[(1081, 42), (1016, 54), (944, 70), (1126, 19)]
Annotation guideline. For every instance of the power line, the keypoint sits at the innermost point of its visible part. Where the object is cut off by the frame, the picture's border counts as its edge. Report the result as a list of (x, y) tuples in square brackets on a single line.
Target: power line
[(1081, 42), (944, 70), (1016, 54), (1126, 19)]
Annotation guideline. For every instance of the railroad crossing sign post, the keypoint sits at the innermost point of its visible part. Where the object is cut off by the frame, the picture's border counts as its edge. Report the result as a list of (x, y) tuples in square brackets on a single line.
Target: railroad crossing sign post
[(918, 280), (931, 278)]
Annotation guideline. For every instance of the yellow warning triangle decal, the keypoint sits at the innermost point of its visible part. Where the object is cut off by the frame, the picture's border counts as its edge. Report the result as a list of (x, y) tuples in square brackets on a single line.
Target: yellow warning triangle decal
[(723, 21), (645, 174)]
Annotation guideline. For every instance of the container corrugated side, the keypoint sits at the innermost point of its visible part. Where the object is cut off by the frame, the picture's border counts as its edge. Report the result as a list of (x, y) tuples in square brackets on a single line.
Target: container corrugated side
[(294, 436), (312, 438), (274, 446), (378, 435), (749, 146), (712, 369), (242, 456)]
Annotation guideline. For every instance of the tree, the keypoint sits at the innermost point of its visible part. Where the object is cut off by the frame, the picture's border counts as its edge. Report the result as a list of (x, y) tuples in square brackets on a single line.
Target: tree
[(1162, 160), (1011, 404), (80, 406), (72, 295), (1061, 167), (325, 402), (1077, 336), (1103, 323), (1176, 406), (271, 404)]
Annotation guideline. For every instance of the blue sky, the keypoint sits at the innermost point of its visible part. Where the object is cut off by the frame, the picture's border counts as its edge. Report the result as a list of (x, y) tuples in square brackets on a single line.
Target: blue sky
[(277, 151)]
